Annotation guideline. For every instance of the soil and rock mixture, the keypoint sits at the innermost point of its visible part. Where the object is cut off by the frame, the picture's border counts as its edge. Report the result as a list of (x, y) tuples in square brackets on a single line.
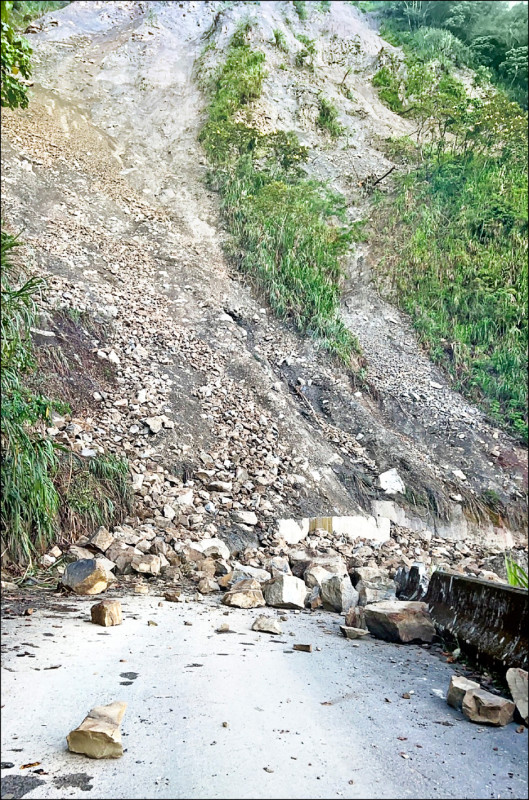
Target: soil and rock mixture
[(231, 420)]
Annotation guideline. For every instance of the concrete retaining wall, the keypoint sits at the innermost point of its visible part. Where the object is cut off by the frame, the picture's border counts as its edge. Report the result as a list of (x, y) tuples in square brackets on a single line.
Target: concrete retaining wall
[(488, 619)]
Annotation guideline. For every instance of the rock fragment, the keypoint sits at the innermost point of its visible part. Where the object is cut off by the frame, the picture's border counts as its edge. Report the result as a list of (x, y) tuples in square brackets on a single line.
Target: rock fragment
[(107, 613), (353, 633), (244, 594), (400, 621), (266, 624), (99, 734), (85, 577), (459, 686), (517, 682), (285, 591), (486, 708), (338, 594)]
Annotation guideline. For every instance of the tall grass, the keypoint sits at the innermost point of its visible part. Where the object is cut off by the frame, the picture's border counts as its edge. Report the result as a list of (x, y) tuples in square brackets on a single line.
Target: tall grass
[(41, 482), (26, 11), (289, 233)]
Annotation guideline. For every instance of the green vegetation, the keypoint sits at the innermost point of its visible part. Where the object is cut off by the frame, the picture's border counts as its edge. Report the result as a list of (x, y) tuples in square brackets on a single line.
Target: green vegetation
[(26, 11), (301, 8), (305, 56), (460, 219), (516, 575), (328, 117), (491, 34), (280, 41), (15, 66), (289, 233), (42, 482), (325, 6)]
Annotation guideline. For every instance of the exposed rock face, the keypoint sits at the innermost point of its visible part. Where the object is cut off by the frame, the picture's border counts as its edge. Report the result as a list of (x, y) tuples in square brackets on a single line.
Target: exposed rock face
[(517, 681), (285, 591), (99, 735), (459, 686), (338, 594), (486, 708), (107, 613), (244, 594), (267, 624), (85, 577), (400, 621)]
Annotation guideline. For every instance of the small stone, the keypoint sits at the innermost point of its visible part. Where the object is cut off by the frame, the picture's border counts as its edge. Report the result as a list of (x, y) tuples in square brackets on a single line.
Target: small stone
[(266, 624), (107, 613), (485, 708), (154, 424), (223, 628), (303, 648), (459, 686), (99, 735), (207, 586), (245, 517), (172, 596)]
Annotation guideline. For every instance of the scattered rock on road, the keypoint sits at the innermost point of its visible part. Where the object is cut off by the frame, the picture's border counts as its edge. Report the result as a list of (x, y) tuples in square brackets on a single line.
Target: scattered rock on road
[(338, 594), (99, 735), (266, 624), (459, 686), (353, 633), (486, 708), (107, 613), (85, 577), (285, 591), (244, 594), (400, 621)]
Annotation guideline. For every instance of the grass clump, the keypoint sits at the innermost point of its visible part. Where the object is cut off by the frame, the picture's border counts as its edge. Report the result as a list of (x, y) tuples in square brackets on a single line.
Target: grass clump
[(305, 56), (22, 13), (33, 466), (301, 9), (327, 118), (289, 233), (280, 41)]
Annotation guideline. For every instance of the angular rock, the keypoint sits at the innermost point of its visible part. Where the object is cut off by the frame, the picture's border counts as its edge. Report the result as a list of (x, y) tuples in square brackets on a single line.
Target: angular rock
[(122, 555), (391, 482), (107, 613), (400, 621), (245, 517), (207, 586), (146, 563), (285, 591), (353, 633), (47, 560), (77, 553), (315, 575), (338, 594), (85, 577), (356, 618), (99, 735), (244, 594), (517, 682), (459, 686), (102, 539), (372, 585), (266, 624), (241, 571), (215, 548), (486, 708), (154, 424), (278, 565), (314, 600), (415, 585)]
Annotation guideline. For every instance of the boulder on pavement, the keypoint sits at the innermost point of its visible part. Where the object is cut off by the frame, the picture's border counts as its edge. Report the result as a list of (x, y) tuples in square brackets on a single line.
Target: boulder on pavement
[(207, 586), (146, 563), (266, 624), (85, 577), (486, 708), (400, 621), (458, 688), (356, 618), (338, 594), (517, 682), (107, 613), (99, 735), (285, 591), (244, 594)]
